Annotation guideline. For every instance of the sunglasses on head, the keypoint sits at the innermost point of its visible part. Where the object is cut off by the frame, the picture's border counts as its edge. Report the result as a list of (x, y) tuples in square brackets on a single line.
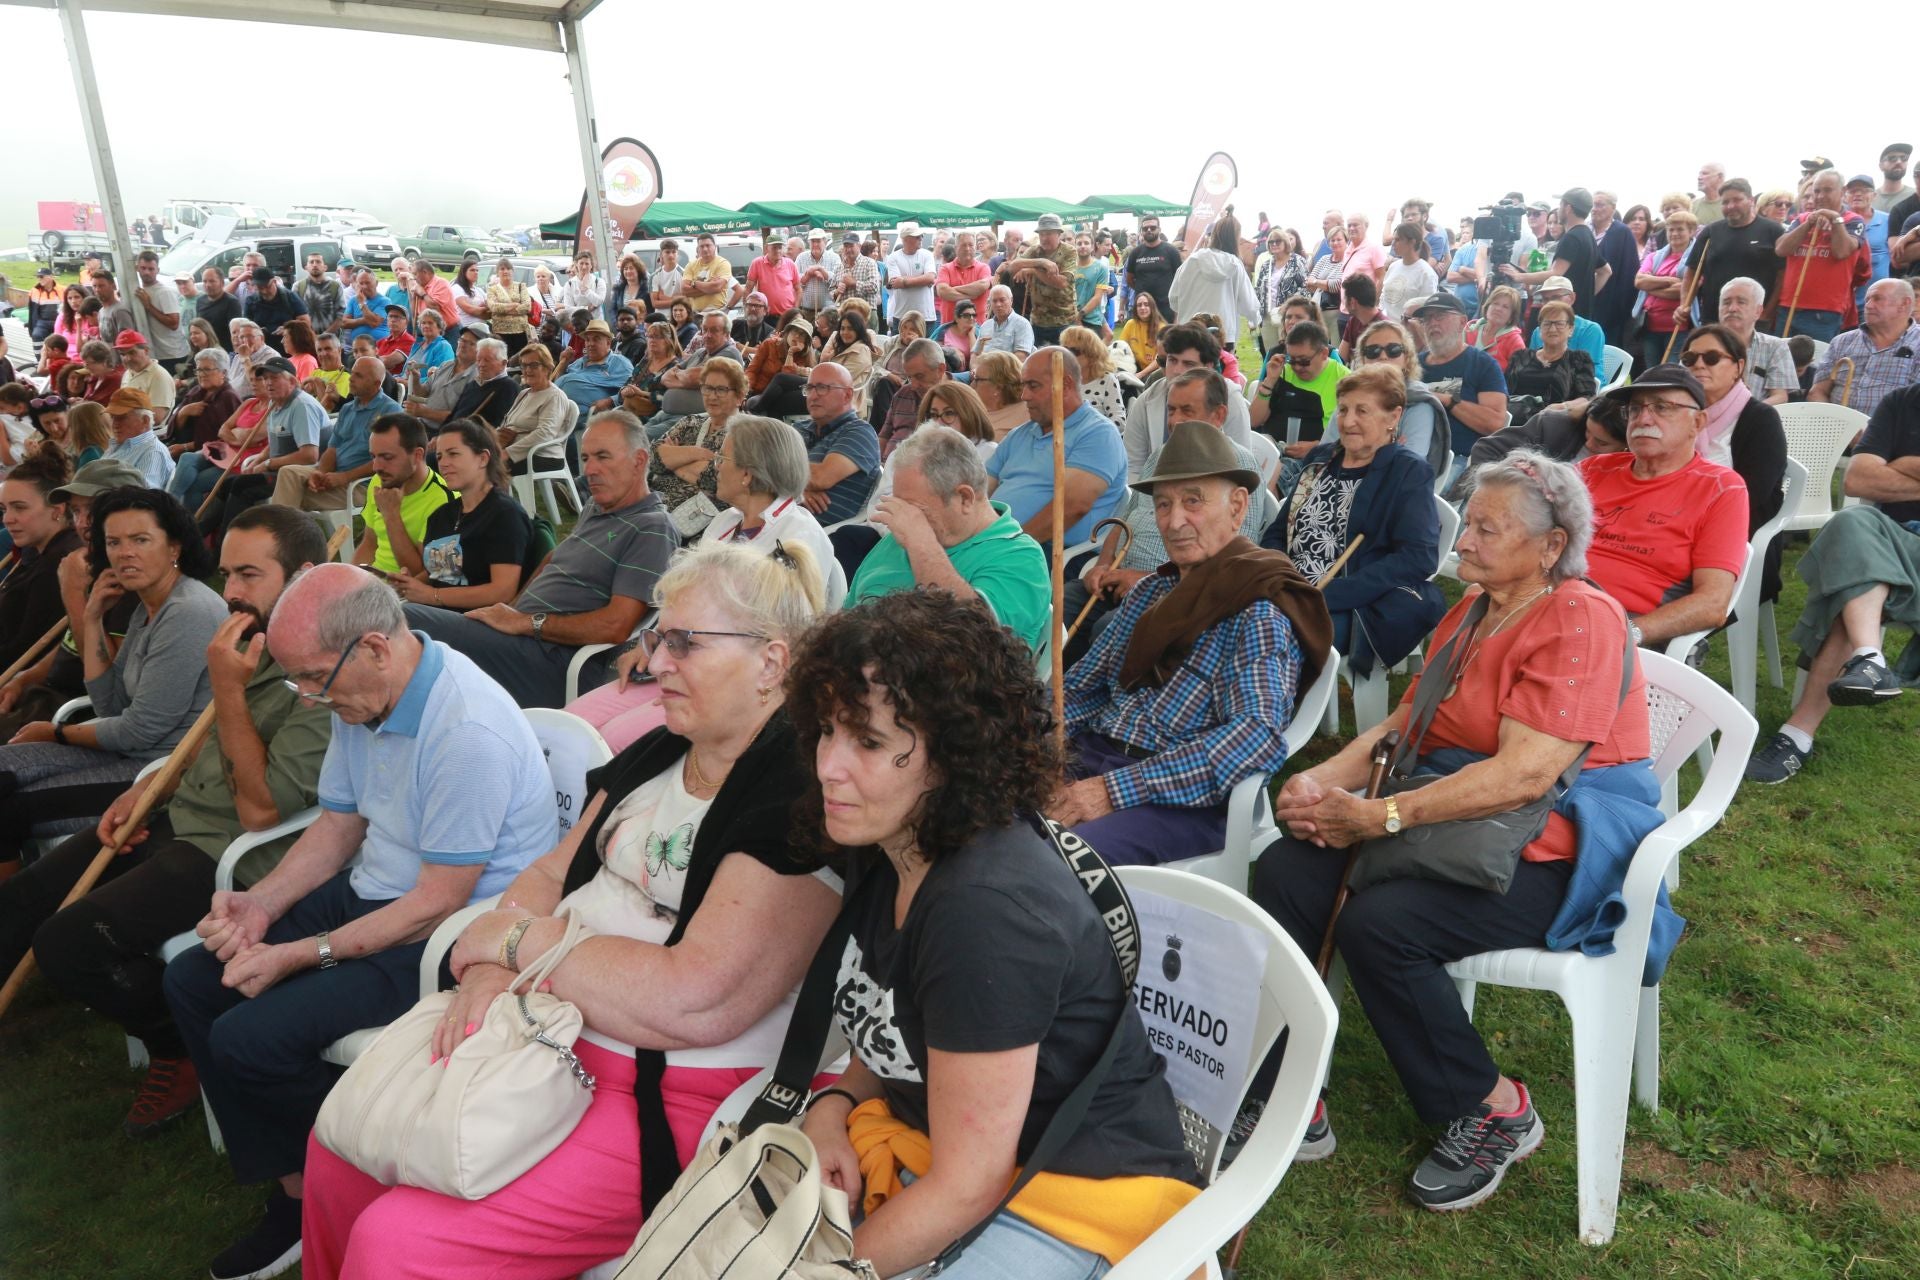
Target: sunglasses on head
[(1708, 358), (1390, 350)]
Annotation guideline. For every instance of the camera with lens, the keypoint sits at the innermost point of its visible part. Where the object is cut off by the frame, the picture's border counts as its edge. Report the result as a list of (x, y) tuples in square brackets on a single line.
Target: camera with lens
[(1502, 226)]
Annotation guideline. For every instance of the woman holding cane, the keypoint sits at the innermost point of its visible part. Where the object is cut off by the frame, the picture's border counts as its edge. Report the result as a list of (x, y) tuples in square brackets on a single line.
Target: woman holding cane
[(1534, 684)]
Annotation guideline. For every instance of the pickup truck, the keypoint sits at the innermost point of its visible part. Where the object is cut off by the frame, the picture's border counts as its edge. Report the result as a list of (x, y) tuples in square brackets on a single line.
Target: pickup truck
[(447, 245)]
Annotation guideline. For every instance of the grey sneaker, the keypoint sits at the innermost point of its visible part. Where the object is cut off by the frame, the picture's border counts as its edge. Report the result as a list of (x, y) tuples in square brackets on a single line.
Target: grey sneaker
[(1318, 1142), (1467, 1164), (1776, 762), (1863, 683)]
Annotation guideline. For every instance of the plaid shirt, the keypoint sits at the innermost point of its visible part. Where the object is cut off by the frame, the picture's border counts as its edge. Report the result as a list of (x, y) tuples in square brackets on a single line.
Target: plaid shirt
[(866, 278), (1874, 372), (1222, 717)]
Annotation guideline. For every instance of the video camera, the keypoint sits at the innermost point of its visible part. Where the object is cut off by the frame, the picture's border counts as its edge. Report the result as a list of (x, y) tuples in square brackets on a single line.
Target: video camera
[(1502, 226)]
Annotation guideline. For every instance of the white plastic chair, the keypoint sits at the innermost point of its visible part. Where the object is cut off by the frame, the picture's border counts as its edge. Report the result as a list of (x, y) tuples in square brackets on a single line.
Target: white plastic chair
[(1267, 455), (1616, 1021), (1817, 434), (578, 662), (1250, 823), (573, 749), (547, 467), (1615, 366), (1752, 620), (1291, 996)]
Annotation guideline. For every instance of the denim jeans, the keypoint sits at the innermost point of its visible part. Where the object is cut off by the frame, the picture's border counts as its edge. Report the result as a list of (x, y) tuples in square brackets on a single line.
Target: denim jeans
[(1011, 1246), (1821, 326)]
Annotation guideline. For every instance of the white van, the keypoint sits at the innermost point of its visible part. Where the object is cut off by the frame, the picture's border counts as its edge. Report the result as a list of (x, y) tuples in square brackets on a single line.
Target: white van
[(285, 252)]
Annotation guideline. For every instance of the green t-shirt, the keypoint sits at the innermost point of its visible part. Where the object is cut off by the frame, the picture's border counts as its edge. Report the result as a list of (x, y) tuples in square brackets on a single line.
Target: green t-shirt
[(296, 733), (1001, 563), (1323, 386), (415, 507)]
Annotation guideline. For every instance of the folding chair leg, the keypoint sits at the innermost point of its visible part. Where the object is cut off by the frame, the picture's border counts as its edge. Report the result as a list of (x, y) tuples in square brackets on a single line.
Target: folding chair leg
[(1602, 1070), (1370, 698), (1646, 1051)]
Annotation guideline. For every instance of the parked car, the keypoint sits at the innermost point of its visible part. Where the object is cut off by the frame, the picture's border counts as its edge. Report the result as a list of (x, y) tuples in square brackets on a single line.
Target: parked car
[(285, 251), (368, 240), (446, 244), (193, 214)]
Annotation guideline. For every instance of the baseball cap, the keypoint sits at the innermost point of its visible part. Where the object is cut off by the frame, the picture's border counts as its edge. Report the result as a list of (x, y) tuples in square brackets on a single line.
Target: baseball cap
[(97, 477), (1552, 283), (1815, 164), (401, 307), (128, 399), (1859, 180), (757, 296), (346, 261), (851, 237), (1892, 147), (1439, 302), (44, 271), (908, 228), (816, 234), (1666, 376), (1539, 206), (129, 338), (276, 364), (262, 274)]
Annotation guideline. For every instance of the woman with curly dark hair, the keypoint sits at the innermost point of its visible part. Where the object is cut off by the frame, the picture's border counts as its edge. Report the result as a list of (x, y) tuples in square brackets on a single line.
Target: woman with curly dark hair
[(978, 985), (145, 696)]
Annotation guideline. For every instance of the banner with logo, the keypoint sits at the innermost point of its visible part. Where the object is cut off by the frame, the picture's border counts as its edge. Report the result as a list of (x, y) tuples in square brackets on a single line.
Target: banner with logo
[(630, 181), (1198, 993), (1212, 193)]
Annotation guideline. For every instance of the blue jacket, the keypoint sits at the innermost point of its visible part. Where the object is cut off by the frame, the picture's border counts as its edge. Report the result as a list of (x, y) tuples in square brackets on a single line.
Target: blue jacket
[(1386, 583), (1613, 810)]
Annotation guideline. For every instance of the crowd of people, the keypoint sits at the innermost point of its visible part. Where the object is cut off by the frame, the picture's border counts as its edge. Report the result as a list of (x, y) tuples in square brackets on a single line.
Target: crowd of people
[(804, 602)]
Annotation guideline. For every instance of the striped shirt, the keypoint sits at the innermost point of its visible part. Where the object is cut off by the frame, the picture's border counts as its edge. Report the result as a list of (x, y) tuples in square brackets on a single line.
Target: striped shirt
[(608, 554), (1221, 717)]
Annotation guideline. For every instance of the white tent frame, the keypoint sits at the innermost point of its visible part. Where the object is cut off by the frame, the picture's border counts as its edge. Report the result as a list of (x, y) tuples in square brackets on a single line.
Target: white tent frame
[(552, 26)]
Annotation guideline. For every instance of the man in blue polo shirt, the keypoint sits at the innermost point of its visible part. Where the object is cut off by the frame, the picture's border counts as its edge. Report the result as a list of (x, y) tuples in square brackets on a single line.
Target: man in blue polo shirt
[(436, 781), (593, 382), (348, 456), (1022, 467), (1465, 379)]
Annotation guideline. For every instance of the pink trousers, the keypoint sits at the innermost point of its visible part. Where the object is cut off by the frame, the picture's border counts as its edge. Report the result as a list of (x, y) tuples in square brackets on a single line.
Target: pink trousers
[(623, 716), (574, 1210)]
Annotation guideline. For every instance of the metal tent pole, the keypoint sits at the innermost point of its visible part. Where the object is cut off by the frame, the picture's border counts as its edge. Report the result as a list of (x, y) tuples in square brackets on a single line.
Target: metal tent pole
[(596, 210), (106, 181)]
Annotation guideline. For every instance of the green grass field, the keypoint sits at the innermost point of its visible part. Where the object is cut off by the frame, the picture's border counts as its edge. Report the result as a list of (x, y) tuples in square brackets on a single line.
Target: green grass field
[(1788, 1144)]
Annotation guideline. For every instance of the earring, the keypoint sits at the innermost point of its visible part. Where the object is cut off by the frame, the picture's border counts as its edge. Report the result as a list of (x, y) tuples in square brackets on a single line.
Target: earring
[(764, 693)]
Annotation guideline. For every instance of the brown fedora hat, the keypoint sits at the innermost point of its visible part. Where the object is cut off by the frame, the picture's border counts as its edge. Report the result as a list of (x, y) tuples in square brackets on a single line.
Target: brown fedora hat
[(1194, 451)]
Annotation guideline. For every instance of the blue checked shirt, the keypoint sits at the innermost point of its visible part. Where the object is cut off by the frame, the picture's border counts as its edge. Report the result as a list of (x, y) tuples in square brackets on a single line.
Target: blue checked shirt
[(1874, 372), (1222, 717)]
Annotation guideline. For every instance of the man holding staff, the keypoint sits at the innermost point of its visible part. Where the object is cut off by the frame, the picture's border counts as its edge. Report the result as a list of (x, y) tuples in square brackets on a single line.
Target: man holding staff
[(1221, 625), (1819, 249), (260, 766)]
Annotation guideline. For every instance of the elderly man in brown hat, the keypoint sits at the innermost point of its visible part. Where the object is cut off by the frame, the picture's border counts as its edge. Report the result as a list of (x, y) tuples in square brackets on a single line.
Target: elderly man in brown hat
[(134, 441), (1191, 687)]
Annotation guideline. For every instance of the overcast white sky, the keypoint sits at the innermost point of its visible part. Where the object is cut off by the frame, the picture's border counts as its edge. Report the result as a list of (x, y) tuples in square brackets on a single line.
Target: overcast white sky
[(189, 103)]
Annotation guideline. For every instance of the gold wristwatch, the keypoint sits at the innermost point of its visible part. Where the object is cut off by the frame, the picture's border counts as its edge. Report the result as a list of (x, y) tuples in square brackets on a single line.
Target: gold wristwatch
[(1393, 816)]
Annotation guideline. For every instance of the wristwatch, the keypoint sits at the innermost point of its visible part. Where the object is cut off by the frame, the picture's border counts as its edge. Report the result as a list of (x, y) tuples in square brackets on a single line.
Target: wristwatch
[(1393, 816), (539, 621), (326, 949)]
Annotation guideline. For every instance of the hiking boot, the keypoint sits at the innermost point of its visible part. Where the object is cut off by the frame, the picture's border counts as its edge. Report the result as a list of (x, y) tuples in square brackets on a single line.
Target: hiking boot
[(273, 1246), (171, 1088), (1777, 761), (1318, 1142), (1863, 683), (1467, 1164)]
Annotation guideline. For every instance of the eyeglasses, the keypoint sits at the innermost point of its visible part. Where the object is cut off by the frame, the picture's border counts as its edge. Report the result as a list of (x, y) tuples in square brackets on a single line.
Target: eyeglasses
[(948, 416), (1390, 350), (823, 387), (321, 699), (714, 388), (1301, 362), (1708, 358), (1665, 410), (1556, 324), (679, 640)]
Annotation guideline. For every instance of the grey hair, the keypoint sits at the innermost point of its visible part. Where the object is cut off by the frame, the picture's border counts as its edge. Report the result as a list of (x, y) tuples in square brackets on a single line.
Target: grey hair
[(710, 312), (238, 323), (1548, 495), (945, 457), (1745, 282), (630, 426), (492, 346), (927, 351), (371, 605), (1899, 284), (999, 289), (210, 356), (778, 597), (771, 453)]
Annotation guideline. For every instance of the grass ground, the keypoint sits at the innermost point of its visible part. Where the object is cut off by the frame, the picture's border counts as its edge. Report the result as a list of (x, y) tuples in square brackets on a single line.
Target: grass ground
[(1788, 1143)]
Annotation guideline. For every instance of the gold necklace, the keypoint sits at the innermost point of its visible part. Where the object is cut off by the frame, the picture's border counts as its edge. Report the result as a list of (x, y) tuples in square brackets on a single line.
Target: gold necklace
[(1477, 644), (700, 781)]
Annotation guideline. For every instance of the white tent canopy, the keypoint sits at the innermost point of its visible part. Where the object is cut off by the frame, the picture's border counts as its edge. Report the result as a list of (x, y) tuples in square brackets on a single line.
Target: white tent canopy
[(552, 26)]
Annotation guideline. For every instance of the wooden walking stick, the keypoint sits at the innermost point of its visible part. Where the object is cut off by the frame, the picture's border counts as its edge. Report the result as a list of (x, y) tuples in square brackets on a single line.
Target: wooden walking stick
[(1059, 550), (157, 790), (1334, 568), (240, 451), (1382, 755), (1120, 554), (1685, 309), (1786, 330), (33, 652), (339, 536)]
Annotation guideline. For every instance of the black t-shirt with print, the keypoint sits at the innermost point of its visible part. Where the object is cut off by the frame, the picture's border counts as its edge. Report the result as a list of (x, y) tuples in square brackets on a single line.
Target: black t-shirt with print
[(1002, 948), (1578, 250), (1151, 268), (1733, 252), (462, 546)]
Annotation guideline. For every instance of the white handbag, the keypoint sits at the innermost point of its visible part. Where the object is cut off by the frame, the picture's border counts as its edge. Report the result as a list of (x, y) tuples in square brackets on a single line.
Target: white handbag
[(505, 1098)]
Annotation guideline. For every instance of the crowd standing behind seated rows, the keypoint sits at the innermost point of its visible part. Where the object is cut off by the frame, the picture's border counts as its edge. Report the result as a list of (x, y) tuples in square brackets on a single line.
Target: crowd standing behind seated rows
[(823, 430)]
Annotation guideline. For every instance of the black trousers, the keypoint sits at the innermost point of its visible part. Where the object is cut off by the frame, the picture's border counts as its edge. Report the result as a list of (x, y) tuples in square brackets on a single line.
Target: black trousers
[(259, 1059), (100, 951), (1397, 939)]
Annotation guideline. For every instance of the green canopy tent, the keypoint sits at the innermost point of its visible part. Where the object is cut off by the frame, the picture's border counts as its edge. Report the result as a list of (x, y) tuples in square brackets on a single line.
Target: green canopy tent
[(929, 213), (1138, 206), (665, 218), (1029, 209), (835, 215)]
